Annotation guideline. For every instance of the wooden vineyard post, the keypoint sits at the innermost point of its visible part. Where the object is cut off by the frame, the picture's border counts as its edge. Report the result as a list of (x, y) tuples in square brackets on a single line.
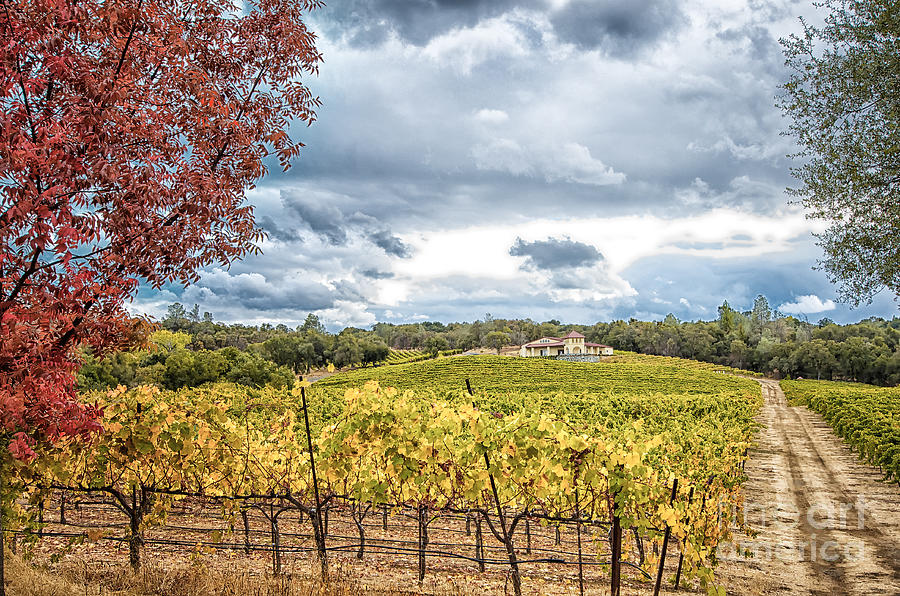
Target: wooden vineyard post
[(616, 563), (662, 556), (276, 542), (423, 540), (558, 539), (320, 538), (246, 521), (384, 514), (507, 538), (681, 554), (527, 536), (468, 524), (62, 507), (479, 543), (578, 534)]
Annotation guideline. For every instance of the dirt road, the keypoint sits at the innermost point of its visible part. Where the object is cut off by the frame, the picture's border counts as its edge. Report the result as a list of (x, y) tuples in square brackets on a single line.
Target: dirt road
[(825, 523)]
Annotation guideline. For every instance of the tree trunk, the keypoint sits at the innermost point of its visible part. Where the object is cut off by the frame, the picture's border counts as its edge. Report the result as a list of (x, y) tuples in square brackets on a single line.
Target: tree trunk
[(358, 517), (2, 536), (135, 540), (479, 543), (135, 534), (320, 546), (639, 544), (616, 563)]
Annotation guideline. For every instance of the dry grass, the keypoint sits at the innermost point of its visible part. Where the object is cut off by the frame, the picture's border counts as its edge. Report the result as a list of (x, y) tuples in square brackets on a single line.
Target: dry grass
[(24, 579)]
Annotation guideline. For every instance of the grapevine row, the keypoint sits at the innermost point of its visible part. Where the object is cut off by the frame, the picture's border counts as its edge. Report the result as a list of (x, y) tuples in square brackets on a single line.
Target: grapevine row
[(599, 456), (865, 416)]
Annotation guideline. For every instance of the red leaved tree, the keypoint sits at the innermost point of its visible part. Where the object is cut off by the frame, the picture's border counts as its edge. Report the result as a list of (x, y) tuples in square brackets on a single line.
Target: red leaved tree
[(129, 133)]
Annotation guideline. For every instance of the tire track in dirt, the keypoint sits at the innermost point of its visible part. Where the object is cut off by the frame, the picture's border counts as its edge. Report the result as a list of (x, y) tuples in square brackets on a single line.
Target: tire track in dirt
[(824, 522)]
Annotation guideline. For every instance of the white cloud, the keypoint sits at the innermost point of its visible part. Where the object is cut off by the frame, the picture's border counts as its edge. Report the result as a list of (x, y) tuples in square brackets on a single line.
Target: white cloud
[(567, 162), (488, 116), (465, 48), (807, 305), (750, 151), (503, 155), (482, 252), (574, 163), (347, 313)]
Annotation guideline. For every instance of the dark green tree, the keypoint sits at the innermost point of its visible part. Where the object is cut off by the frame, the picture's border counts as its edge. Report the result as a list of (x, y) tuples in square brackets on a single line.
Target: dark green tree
[(727, 318), (816, 356), (496, 340), (843, 98), (436, 344), (761, 313), (373, 351), (312, 323)]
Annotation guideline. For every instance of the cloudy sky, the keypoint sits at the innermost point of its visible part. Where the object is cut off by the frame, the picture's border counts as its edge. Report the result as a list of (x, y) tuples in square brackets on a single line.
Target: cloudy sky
[(584, 160)]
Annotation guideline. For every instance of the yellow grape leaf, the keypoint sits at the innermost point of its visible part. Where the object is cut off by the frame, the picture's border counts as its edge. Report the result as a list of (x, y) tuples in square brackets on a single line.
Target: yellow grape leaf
[(632, 459), (95, 534), (330, 367)]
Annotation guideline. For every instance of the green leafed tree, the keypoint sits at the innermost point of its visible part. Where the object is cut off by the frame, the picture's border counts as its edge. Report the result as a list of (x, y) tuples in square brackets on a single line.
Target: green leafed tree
[(496, 340), (843, 100), (436, 344)]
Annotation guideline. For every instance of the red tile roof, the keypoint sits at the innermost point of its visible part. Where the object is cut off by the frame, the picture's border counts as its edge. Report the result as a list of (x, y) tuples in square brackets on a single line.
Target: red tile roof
[(556, 344), (573, 334)]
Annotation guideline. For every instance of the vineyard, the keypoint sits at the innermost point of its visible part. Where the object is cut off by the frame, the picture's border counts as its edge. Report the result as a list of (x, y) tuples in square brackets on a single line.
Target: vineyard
[(627, 373), (865, 416), (403, 356), (410, 356), (631, 458)]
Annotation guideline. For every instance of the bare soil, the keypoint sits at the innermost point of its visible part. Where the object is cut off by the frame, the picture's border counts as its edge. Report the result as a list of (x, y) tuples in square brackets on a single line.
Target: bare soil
[(824, 522)]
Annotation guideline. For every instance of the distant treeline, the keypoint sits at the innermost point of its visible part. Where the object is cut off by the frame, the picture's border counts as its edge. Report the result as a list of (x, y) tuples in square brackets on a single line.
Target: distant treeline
[(759, 339), (190, 350)]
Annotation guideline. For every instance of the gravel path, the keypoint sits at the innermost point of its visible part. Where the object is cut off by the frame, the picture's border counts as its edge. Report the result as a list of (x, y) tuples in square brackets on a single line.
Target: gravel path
[(824, 522)]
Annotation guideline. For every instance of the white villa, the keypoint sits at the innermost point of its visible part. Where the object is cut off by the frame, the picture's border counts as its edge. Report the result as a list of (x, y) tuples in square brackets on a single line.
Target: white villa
[(570, 345)]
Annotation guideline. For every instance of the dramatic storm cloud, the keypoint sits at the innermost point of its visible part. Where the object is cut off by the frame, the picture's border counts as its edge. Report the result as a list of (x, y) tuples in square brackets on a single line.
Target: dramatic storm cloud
[(325, 220), (570, 159), (369, 22), (618, 28), (555, 253)]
